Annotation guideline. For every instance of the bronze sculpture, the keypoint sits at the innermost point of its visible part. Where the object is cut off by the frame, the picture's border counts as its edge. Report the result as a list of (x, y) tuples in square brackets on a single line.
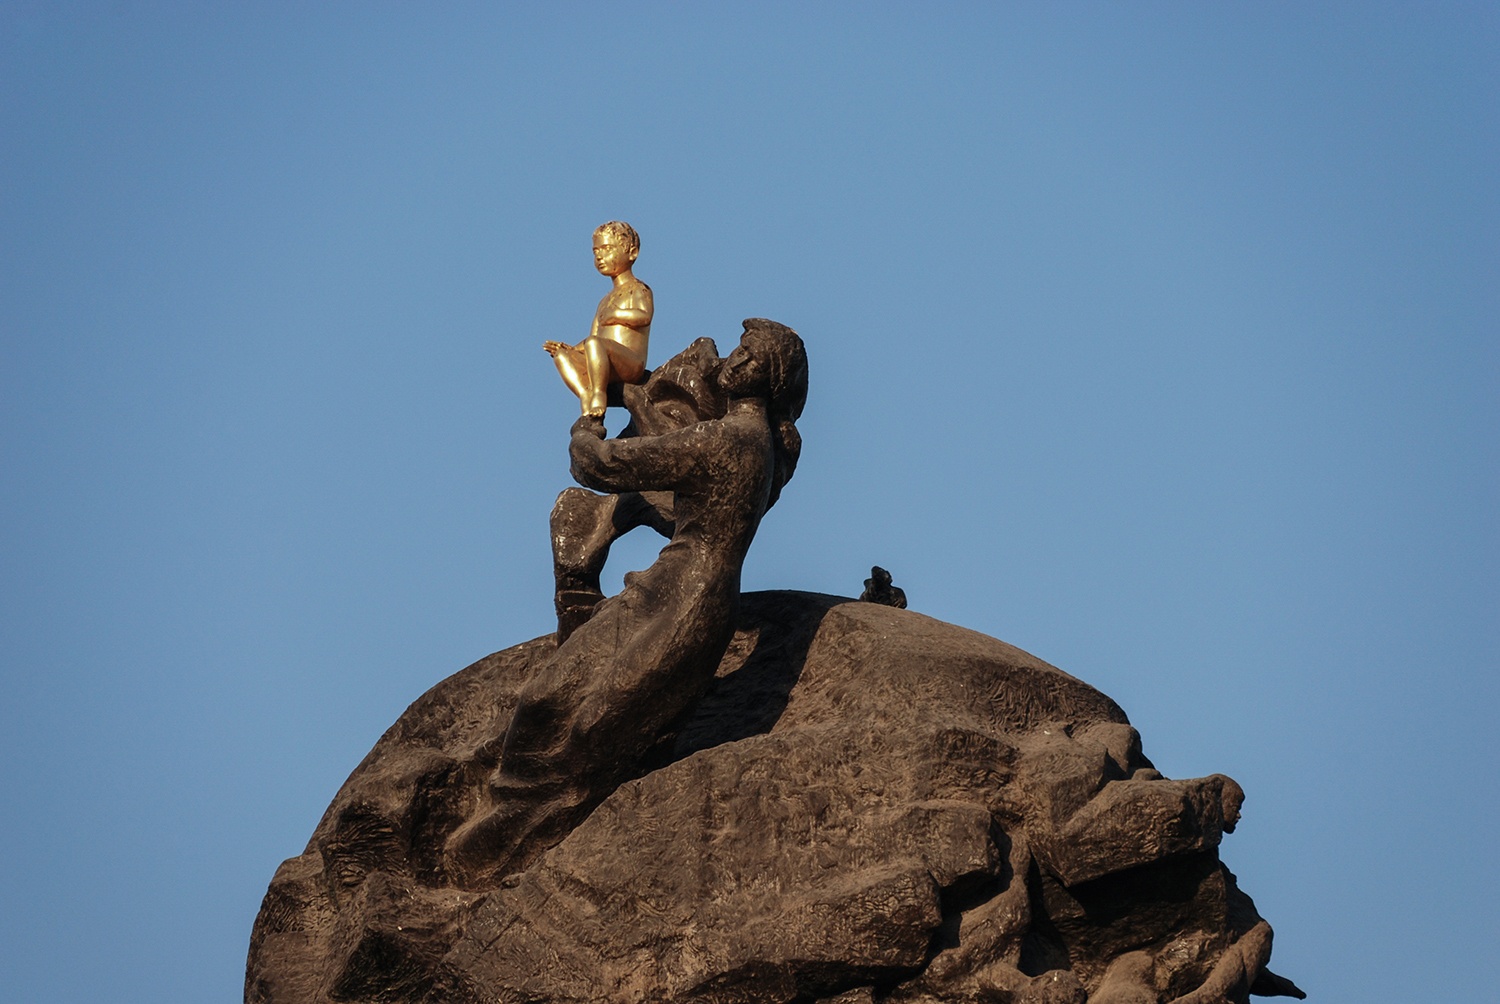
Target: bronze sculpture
[(617, 684), (685, 795), (615, 349)]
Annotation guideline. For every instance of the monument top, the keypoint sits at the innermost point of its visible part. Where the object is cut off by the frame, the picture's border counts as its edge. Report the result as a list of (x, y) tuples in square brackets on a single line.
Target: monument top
[(685, 795)]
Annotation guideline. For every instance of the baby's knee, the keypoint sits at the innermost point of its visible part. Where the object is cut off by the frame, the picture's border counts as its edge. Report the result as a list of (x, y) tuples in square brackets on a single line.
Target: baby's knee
[(596, 348)]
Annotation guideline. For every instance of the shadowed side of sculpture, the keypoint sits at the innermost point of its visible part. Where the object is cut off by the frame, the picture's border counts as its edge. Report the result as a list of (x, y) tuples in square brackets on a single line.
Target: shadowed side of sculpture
[(625, 676)]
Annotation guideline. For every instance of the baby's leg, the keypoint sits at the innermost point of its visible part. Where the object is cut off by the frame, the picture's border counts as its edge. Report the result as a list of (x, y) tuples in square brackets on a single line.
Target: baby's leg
[(573, 365), (608, 362), (601, 370)]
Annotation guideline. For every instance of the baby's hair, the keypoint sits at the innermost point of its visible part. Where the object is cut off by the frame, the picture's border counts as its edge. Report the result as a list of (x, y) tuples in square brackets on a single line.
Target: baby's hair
[(622, 231)]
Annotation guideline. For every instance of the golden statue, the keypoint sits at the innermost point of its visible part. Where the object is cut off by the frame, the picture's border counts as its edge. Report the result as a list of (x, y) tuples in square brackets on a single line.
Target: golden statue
[(615, 350)]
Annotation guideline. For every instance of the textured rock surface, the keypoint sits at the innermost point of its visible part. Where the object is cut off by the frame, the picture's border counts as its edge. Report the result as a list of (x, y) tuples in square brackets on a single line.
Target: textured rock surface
[(867, 805)]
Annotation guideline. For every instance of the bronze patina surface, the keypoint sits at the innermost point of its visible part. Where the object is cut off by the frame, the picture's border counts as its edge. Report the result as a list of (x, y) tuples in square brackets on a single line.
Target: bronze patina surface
[(689, 796)]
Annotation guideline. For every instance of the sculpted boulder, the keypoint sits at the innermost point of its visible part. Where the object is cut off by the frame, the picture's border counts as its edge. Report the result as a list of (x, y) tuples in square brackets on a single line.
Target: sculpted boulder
[(689, 796), (865, 804)]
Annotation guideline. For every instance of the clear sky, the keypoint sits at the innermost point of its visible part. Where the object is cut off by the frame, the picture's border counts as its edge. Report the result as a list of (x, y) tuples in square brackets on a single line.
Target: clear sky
[(1157, 339)]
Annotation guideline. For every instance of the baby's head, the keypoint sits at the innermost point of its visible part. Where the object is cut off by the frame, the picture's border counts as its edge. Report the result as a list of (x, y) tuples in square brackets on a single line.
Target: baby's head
[(616, 245)]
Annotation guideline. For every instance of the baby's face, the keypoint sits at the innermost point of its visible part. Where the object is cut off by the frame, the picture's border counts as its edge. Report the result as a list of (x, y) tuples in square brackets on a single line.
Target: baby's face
[(611, 256)]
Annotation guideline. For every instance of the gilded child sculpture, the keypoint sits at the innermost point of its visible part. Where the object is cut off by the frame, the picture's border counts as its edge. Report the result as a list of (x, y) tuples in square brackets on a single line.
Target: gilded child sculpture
[(615, 349), (686, 795)]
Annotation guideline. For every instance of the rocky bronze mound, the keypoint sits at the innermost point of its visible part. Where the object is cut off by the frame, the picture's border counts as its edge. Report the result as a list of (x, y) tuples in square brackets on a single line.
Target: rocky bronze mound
[(867, 805)]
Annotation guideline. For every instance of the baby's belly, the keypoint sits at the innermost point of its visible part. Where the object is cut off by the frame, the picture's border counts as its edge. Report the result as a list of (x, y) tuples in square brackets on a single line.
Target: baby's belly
[(634, 339)]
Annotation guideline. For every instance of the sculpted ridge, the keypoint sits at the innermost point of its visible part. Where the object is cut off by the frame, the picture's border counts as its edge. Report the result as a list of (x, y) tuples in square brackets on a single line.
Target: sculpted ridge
[(866, 804)]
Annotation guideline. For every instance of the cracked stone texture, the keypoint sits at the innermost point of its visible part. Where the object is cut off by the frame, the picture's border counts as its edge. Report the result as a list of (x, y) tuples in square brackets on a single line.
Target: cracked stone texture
[(868, 805)]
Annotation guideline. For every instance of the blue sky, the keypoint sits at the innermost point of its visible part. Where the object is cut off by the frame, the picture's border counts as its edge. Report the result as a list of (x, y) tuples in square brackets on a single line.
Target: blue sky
[(1157, 339)]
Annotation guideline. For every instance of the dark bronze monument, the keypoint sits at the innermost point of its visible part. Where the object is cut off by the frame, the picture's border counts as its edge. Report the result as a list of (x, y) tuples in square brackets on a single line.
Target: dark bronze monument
[(694, 796)]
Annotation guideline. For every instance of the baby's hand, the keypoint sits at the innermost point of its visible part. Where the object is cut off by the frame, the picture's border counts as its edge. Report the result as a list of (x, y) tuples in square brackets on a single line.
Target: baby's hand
[(552, 347)]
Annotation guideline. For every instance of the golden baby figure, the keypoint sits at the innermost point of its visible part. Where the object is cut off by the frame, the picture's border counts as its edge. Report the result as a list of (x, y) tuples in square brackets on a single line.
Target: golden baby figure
[(615, 350)]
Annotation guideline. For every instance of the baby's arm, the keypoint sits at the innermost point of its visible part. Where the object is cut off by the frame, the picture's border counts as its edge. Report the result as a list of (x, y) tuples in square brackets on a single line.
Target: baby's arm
[(631, 311)]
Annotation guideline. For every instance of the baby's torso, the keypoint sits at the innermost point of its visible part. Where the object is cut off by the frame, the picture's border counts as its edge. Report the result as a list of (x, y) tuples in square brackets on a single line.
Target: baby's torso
[(633, 296)]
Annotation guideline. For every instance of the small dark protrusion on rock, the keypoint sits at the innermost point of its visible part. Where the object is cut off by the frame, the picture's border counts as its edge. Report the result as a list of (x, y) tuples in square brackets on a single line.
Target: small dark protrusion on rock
[(878, 589)]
